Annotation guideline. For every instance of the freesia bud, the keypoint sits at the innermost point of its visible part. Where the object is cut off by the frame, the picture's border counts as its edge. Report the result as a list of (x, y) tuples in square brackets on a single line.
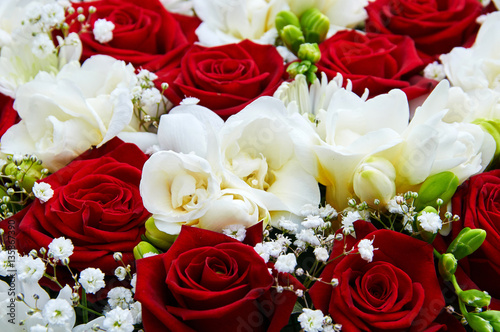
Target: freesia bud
[(447, 266), (309, 52), (442, 185), (492, 316), (374, 179), (156, 237), (292, 37), (315, 25), (285, 18), (475, 298), (466, 242), (492, 127), (143, 248), (478, 323)]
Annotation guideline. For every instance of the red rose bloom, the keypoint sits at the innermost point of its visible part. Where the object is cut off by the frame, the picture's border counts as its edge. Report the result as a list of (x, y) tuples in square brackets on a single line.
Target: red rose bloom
[(225, 78), (96, 204), (477, 203), (374, 61), (207, 279), (8, 115), (436, 26), (145, 33), (397, 291)]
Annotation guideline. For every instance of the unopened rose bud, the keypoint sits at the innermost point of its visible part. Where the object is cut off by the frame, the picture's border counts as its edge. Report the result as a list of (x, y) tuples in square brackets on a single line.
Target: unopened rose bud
[(309, 52), (466, 242), (292, 37), (143, 248), (374, 179), (438, 186), (285, 18), (315, 25), (447, 266), (158, 238)]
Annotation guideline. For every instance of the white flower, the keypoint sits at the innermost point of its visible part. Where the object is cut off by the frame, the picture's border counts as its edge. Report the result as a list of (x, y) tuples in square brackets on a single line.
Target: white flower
[(92, 280), (42, 46), (118, 320), (311, 320), (58, 312), (61, 248), (430, 222), (133, 282), (313, 222), (40, 328), (7, 262), (235, 231), (120, 273), (288, 225), (321, 254), (365, 249), (308, 236), (43, 191), (286, 263), (184, 7), (348, 221), (375, 179), (150, 97), (434, 71), (120, 297), (103, 30), (263, 250), (136, 310), (52, 14), (393, 207), (146, 76), (189, 101), (30, 270), (327, 211), (309, 210)]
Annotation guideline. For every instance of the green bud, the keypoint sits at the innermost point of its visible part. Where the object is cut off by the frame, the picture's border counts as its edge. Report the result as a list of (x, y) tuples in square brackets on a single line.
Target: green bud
[(475, 298), (447, 266), (478, 323), (492, 127), (493, 317), (442, 185), (158, 238), (285, 18), (143, 248), (466, 242), (309, 52), (292, 37), (315, 25)]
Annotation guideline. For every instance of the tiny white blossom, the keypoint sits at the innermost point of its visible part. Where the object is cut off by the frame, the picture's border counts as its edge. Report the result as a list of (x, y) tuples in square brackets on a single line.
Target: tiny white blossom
[(92, 280), (42, 46), (393, 206), (365, 249), (120, 297), (146, 75), (133, 282), (118, 320), (327, 211), (434, 71), (321, 254), (311, 320), (300, 244), (189, 101), (430, 221), (288, 225), (313, 222), (120, 273), (61, 248), (348, 221), (52, 14), (286, 263), (30, 270), (275, 248), (136, 310), (308, 236), (43, 191), (103, 30), (235, 231), (150, 97), (309, 209), (263, 250), (57, 312)]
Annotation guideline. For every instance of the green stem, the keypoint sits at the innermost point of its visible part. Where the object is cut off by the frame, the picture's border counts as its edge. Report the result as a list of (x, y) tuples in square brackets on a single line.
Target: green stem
[(89, 310), (85, 310), (437, 254), (54, 279)]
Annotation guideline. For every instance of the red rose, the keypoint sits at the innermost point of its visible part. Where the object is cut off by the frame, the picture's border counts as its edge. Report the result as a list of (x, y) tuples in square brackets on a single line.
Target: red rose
[(374, 61), (96, 204), (435, 26), (225, 78), (477, 203), (145, 33), (207, 279), (8, 115), (397, 291)]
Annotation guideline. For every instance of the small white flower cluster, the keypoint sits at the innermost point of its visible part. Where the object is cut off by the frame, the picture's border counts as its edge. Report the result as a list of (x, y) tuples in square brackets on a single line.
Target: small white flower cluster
[(103, 30), (314, 321), (365, 249), (430, 222), (236, 231), (435, 71), (43, 191), (147, 99), (122, 298)]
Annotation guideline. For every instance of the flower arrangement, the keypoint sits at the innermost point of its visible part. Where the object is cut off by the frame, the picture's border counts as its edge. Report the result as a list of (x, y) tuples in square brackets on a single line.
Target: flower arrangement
[(278, 165)]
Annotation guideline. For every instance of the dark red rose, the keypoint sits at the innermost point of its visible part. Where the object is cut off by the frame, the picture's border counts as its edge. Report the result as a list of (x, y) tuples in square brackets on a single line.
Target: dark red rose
[(207, 282), (397, 291), (225, 78), (374, 61), (8, 115), (436, 26), (477, 202), (96, 204), (145, 33)]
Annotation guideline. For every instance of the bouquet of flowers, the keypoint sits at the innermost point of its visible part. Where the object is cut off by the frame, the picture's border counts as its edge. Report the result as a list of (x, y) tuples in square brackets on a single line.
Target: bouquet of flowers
[(249, 165)]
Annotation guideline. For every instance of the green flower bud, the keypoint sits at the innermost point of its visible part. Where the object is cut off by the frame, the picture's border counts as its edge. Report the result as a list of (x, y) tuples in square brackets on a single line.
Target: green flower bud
[(27, 173), (315, 25), (158, 238), (466, 242), (493, 317), (143, 248), (447, 266), (374, 179), (475, 298), (478, 323), (292, 37), (309, 52), (442, 185), (285, 18), (492, 127)]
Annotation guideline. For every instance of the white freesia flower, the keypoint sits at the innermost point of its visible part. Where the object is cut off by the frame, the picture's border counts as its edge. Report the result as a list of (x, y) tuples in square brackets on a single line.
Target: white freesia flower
[(65, 115), (231, 21), (184, 7), (375, 179), (43, 191)]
